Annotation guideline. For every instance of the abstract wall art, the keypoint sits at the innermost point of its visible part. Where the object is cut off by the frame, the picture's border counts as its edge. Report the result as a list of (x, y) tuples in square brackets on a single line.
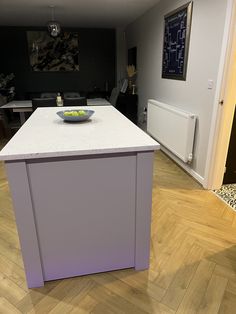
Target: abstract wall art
[(176, 42), (53, 54)]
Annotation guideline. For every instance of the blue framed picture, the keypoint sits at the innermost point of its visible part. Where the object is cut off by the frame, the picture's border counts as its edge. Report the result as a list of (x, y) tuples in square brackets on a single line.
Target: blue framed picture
[(176, 42)]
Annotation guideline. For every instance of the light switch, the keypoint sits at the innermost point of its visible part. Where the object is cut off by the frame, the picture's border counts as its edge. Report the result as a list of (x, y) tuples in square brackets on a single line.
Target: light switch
[(210, 84)]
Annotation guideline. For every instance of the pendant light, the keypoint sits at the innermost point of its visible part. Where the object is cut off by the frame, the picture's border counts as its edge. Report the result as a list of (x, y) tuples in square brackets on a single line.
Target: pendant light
[(54, 27)]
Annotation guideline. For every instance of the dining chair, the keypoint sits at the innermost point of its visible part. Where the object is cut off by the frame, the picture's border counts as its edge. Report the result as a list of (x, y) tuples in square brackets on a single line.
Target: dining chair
[(78, 101), (114, 96), (10, 126), (43, 102), (48, 95), (9, 123), (71, 95)]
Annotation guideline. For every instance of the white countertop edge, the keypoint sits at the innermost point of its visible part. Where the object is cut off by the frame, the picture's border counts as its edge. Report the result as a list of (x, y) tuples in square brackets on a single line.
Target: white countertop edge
[(13, 157)]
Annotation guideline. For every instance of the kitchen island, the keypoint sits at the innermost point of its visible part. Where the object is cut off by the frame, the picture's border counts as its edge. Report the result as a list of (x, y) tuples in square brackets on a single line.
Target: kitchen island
[(82, 193)]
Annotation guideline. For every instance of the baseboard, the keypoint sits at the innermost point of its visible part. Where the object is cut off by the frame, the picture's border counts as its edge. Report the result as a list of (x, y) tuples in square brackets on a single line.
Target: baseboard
[(194, 174)]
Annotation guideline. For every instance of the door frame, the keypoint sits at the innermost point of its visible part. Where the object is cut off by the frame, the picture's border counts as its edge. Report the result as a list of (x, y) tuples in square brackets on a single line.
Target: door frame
[(222, 117)]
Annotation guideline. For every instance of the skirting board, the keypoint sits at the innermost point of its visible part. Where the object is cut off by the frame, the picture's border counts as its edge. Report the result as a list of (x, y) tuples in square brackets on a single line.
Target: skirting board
[(195, 175)]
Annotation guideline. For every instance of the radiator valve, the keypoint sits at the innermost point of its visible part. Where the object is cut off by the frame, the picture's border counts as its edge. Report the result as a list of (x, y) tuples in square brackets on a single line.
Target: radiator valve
[(190, 158), (144, 114)]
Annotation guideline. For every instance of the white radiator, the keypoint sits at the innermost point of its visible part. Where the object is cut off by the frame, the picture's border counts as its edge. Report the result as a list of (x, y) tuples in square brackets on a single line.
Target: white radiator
[(172, 127)]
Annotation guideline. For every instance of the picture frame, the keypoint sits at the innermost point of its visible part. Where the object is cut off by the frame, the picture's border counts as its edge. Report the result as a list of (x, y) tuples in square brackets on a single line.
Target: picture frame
[(177, 28), (48, 54)]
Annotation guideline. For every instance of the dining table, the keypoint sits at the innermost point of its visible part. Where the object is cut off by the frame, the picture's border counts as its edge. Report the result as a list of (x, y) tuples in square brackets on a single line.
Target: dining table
[(23, 106)]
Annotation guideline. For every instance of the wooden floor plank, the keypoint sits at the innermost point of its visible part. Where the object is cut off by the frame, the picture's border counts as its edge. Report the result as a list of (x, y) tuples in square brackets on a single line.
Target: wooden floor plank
[(65, 290), (141, 280), (231, 287), (7, 308), (173, 263), (12, 270), (12, 292), (214, 295), (229, 273), (197, 288), (185, 273), (34, 296), (228, 304), (75, 295), (87, 305), (112, 302), (135, 296)]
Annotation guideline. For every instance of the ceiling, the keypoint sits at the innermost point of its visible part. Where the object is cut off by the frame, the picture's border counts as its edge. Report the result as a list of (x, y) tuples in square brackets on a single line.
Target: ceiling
[(73, 13)]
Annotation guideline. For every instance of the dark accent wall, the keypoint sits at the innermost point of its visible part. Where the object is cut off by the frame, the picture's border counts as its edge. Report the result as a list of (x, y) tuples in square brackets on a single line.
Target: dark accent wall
[(97, 61)]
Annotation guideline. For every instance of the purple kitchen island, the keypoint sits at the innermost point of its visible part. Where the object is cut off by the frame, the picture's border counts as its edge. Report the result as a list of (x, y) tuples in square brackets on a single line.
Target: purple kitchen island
[(82, 194)]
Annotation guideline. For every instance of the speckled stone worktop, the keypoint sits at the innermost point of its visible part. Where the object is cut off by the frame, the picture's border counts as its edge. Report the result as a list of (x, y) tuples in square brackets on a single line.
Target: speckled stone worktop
[(46, 135)]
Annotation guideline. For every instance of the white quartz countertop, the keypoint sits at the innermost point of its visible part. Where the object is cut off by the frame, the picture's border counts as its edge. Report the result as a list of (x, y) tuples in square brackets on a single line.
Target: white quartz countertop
[(45, 134)]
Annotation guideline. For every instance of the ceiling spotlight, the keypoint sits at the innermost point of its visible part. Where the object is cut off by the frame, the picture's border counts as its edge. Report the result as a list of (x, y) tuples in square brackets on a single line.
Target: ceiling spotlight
[(54, 27)]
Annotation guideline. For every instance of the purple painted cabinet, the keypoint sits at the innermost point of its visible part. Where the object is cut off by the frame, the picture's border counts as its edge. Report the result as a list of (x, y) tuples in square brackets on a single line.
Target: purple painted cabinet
[(82, 215)]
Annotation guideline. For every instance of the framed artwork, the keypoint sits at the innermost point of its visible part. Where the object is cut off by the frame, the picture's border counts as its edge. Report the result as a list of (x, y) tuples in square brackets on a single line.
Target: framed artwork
[(53, 54), (176, 42)]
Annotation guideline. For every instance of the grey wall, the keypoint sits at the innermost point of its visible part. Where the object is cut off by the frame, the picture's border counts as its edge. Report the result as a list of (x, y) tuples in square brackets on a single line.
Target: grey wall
[(121, 56), (193, 94)]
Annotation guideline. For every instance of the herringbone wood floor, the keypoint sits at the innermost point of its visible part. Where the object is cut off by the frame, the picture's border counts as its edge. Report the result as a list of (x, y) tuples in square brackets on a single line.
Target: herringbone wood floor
[(193, 259)]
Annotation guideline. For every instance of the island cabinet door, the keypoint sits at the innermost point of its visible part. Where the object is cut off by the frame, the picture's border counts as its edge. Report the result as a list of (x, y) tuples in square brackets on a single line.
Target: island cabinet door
[(84, 213)]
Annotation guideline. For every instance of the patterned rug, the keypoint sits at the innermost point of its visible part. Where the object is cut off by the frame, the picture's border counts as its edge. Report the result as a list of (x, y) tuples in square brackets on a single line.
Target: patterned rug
[(228, 194)]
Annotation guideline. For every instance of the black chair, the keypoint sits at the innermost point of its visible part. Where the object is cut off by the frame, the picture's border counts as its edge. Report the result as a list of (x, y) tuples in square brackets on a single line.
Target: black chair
[(71, 95), (43, 102), (48, 95), (114, 96), (78, 101), (10, 124)]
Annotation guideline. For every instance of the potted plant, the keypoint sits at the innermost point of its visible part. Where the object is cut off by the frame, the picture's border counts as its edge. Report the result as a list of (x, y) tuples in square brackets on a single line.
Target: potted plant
[(6, 85), (131, 72)]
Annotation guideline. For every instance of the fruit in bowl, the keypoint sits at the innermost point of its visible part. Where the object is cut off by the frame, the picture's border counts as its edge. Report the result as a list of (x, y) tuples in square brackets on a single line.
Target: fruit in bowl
[(75, 113)]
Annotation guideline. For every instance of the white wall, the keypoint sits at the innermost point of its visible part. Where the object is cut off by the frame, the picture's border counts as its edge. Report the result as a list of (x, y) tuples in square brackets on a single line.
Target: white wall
[(193, 94)]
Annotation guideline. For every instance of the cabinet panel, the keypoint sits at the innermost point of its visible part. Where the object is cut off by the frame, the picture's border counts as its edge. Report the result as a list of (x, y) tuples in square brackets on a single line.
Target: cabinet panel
[(85, 214)]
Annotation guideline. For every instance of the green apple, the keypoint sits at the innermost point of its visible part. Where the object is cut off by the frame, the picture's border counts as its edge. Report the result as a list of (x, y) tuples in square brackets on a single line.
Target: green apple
[(75, 113)]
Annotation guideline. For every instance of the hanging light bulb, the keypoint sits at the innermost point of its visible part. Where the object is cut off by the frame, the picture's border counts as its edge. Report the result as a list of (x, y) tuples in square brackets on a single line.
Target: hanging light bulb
[(54, 27)]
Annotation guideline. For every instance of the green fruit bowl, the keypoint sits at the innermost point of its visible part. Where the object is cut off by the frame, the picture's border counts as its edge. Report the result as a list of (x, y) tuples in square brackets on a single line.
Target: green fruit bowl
[(75, 115)]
